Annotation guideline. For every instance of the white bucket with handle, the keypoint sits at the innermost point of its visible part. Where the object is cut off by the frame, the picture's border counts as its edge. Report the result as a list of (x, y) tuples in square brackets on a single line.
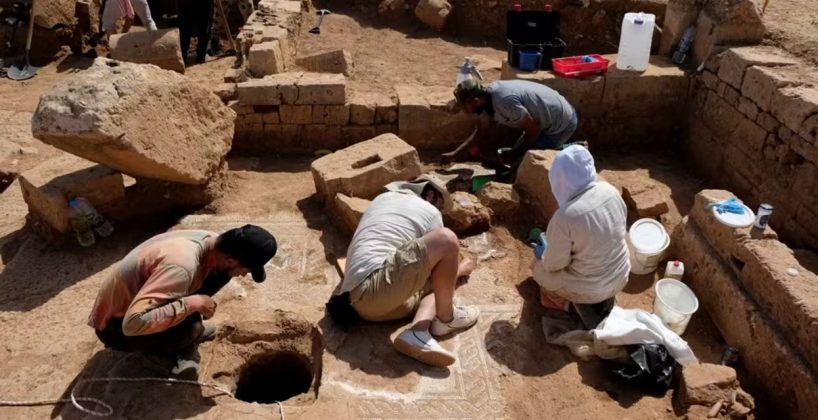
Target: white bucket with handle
[(675, 304), (647, 242)]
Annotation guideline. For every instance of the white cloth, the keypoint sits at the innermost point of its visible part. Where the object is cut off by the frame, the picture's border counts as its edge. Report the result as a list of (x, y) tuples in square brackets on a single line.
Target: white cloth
[(391, 220), (573, 170), (635, 326), (117, 9)]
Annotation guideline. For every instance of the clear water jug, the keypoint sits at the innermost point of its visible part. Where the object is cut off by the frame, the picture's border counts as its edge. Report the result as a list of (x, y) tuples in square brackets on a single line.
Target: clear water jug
[(635, 40)]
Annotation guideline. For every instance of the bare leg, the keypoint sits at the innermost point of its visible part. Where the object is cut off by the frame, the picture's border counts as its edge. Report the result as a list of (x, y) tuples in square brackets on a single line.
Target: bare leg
[(443, 251), (427, 308)]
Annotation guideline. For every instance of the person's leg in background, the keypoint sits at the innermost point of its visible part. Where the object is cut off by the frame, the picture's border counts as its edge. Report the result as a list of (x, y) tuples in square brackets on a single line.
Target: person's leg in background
[(111, 13), (143, 10), (204, 25), (185, 10)]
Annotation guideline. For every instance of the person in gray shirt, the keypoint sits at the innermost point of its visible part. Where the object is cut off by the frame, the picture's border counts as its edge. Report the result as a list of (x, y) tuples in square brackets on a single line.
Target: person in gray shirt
[(547, 119)]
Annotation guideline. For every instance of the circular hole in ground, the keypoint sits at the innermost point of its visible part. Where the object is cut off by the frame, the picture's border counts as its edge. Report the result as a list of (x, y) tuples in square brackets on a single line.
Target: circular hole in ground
[(272, 377)]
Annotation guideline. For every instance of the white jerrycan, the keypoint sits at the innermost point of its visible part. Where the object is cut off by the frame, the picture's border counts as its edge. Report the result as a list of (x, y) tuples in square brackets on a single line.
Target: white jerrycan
[(635, 40)]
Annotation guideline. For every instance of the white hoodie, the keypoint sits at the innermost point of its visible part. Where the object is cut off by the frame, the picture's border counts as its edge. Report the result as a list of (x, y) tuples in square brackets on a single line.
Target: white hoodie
[(587, 258)]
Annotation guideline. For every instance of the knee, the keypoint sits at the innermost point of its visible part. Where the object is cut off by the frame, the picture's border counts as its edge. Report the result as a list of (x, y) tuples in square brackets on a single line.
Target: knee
[(446, 239)]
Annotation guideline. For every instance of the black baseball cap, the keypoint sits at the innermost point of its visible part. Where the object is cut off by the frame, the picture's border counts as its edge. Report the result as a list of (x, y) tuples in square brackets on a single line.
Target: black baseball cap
[(250, 245)]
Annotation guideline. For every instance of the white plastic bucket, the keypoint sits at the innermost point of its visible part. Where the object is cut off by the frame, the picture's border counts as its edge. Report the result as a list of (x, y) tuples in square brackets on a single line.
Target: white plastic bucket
[(675, 304), (647, 241)]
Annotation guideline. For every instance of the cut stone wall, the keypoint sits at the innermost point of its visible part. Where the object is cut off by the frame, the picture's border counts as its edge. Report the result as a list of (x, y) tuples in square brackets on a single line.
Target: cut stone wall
[(740, 276), (622, 108), (753, 128)]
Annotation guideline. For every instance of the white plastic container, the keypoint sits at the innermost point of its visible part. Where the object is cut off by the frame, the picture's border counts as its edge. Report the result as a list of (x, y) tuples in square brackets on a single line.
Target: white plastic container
[(635, 40), (647, 241), (675, 270), (675, 304)]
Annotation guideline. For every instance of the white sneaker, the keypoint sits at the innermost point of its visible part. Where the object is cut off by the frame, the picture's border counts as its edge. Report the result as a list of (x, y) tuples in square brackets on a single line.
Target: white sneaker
[(420, 345), (186, 367), (464, 318)]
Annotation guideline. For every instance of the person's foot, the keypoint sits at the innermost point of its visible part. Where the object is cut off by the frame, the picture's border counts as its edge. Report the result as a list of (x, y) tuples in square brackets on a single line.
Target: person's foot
[(210, 331), (464, 317), (421, 346), (186, 367)]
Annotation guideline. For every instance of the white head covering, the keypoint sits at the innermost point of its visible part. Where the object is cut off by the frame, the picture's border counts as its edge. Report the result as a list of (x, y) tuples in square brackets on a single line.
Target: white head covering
[(572, 172)]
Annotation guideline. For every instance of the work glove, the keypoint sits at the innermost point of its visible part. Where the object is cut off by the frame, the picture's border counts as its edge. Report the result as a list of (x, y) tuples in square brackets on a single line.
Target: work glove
[(540, 246)]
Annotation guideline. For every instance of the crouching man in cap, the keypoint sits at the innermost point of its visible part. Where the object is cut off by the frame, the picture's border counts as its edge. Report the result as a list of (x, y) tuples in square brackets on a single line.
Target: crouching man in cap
[(155, 300), (403, 262)]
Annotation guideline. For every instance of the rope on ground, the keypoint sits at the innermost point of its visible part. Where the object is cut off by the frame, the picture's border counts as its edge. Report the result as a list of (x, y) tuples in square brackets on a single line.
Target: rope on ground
[(107, 410)]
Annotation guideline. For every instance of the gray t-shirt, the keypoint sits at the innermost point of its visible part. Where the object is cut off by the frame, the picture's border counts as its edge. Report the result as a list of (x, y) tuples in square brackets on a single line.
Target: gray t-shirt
[(513, 99), (391, 220)]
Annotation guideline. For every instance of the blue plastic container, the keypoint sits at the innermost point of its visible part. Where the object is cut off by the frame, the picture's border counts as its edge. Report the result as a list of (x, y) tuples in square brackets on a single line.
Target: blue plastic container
[(530, 60)]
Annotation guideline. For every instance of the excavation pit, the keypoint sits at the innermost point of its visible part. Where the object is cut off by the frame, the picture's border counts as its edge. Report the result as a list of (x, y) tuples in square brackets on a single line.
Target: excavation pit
[(274, 377)]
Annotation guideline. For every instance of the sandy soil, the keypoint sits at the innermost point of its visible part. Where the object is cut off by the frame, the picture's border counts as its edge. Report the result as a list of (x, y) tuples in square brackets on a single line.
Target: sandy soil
[(793, 26)]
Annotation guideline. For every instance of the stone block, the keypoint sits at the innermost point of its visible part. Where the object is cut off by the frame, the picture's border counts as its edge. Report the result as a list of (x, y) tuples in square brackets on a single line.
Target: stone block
[(276, 33), (321, 89), (679, 15), (363, 169), (721, 118), (160, 48), (736, 61), (533, 185), (238, 108), (703, 149), (748, 136), (330, 114), (386, 128), (226, 91), (787, 300), (271, 117), (767, 122), (433, 12), (295, 114), (320, 136), (761, 83), (234, 76), (468, 216), (744, 324), (47, 187), (352, 134), (349, 211), (793, 105), (426, 120), (645, 199), (710, 79), (706, 384), (804, 148), (386, 110), (362, 108), (722, 238), (731, 96), (748, 108), (663, 86), (809, 130), (338, 61), (501, 199), (138, 119), (266, 58), (271, 90)]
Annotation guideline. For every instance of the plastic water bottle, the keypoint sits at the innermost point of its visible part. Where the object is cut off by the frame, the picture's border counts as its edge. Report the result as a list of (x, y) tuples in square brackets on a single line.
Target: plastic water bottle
[(97, 221), (635, 40), (467, 71), (684, 45), (80, 224), (675, 270)]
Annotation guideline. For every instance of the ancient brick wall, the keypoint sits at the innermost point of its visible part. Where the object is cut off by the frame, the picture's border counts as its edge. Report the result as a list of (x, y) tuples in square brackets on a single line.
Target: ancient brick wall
[(753, 128)]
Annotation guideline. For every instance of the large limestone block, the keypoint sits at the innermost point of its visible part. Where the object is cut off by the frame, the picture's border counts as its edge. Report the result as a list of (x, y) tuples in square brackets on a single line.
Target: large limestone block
[(350, 210), (425, 118), (706, 384), (679, 15), (468, 215), (663, 87), (761, 83), (736, 60), (338, 61), (500, 198), (48, 186), (533, 185), (321, 89), (363, 169), (160, 48), (275, 89), (794, 105), (266, 58), (433, 12), (50, 13), (138, 119)]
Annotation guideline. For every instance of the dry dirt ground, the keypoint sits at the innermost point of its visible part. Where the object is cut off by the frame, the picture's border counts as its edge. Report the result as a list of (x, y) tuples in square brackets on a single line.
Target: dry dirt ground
[(504, 368), (793, 26)]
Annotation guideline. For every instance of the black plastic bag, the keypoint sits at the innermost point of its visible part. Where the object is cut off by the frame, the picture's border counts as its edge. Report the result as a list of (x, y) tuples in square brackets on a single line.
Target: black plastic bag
[(649, 366)]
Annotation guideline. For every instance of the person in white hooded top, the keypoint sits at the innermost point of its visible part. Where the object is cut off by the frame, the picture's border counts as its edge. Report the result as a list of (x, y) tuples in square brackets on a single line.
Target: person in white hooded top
[(584, 259)]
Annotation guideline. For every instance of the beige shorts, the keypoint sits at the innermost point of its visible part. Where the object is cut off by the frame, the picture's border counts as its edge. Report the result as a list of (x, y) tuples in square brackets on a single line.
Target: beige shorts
[(395, 289)]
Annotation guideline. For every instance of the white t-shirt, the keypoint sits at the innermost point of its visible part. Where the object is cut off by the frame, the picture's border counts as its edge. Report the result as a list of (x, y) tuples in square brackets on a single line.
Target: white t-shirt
[(391, 220)]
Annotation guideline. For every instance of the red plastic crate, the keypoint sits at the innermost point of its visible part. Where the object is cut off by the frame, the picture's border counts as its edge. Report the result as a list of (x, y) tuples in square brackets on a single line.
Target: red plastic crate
[(574, 67)]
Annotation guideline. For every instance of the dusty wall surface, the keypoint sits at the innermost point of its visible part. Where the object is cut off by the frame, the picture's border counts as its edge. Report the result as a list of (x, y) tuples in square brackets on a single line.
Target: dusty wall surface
[(739, 276), (623, 109), (753, 128)]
